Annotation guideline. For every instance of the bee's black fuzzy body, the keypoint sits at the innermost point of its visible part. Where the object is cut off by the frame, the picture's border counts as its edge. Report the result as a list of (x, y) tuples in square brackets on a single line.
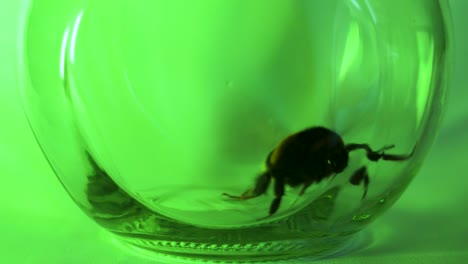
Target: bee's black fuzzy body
[(308, 156)]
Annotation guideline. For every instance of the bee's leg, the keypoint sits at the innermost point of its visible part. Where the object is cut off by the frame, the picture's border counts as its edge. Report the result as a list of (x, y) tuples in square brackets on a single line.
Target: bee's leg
[(261, 186), (304, 187), (379, 154), (359, 176), (301, 192), (279, 192)]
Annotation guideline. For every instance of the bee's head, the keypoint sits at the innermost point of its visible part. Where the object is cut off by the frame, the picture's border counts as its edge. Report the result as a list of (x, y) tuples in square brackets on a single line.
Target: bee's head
[(337, 156)]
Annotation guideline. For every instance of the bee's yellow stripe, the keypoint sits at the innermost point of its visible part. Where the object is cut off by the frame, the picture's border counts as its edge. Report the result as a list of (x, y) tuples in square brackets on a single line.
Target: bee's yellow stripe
[(275, 155)]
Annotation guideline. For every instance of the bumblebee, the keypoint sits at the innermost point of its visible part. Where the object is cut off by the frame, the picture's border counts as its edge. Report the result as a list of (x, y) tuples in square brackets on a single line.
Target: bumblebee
[(308, 157)]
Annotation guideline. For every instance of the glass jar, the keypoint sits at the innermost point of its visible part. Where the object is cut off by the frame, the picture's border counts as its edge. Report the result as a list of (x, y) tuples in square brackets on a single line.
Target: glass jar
[(168, 121)]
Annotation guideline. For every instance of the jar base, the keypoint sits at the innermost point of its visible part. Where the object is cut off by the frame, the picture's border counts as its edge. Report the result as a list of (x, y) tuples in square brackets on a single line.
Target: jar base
[(311, 249)]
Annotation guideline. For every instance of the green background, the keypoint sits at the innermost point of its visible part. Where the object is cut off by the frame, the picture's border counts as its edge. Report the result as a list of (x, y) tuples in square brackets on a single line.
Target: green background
[(41, 224)]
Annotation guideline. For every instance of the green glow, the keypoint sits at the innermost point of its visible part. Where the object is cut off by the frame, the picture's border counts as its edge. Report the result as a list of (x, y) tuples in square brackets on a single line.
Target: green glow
[(425, 44), (174, 103), (361, 217), (352, 51)]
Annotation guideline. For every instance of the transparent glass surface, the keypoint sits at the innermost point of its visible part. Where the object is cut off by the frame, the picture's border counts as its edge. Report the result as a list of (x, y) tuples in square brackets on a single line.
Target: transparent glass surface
[(149, 111)]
